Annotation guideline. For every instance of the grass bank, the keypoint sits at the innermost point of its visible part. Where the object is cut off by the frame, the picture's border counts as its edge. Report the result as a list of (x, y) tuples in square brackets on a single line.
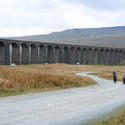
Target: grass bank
[(115, 118), (38, 78)]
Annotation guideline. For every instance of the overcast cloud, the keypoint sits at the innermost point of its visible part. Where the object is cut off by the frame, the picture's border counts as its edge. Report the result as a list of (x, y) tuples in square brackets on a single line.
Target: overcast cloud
[(27, 17)]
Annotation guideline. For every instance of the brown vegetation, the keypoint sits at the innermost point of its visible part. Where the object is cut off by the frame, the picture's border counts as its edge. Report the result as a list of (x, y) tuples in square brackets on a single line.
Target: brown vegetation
[(21, 78), (104, 71), (51, 76)]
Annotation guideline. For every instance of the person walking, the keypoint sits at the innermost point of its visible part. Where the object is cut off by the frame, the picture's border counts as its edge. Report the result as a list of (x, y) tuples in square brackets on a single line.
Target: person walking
[(115, 76), (123, 78)]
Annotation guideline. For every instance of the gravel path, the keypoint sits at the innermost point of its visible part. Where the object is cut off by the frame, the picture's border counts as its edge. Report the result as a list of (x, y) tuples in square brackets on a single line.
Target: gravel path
[(63, 107)]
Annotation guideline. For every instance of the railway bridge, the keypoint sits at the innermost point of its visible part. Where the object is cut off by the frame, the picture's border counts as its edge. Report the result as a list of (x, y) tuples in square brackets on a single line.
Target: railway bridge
[(31, 52)]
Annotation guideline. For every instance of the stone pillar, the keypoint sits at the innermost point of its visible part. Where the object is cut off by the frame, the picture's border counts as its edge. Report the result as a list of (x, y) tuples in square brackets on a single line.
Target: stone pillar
[(62, 54), (7, 53), (46, 54), (72, 55), (120, 56), (77, 55), (110, 56), (101, 56), (56, 57), (93, 56), (68, 59), (106, 56), (57, 54), (42, 54), (10, 52), (90, 56), (111, 60), (83, 60), (123, 57), (81, 57), (85, 56), (96, 56), (20, 53), (66, 55), (116, 57), (29, 54), (38, 54), (113, 56)]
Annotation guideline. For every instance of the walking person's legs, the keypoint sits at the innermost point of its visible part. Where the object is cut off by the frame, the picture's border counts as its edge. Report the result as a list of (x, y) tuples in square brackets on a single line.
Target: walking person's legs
[(115, 79), (123, 80)]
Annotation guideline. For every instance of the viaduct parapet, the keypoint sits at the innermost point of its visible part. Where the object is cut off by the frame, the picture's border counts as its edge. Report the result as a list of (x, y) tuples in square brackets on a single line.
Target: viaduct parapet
[(29, 52)]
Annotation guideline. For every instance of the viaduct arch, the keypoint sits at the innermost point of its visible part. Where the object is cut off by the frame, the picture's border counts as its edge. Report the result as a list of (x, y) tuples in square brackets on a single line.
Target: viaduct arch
[(30, 52), (24, 53), (2, 53)]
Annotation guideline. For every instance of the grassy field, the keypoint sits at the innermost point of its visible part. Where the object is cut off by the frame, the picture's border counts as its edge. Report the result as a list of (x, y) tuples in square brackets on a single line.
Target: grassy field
[(104, 71), (39, 78), (117, 117), (45, 77)]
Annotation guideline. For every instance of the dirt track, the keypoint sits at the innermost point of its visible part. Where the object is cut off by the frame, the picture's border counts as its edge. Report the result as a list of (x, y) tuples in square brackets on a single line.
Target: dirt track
[(63, 107)]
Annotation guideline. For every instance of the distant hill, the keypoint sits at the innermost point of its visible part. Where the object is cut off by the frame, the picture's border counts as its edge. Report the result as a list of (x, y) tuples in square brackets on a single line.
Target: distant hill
[(105, 37)]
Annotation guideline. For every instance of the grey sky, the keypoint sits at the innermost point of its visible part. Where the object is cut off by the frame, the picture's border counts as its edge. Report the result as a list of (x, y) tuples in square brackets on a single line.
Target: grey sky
[(26, 17), (106, 5)]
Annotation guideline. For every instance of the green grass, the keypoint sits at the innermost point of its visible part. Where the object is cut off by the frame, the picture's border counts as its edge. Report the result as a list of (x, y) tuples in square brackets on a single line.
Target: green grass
[(4, 93), (116, 117)]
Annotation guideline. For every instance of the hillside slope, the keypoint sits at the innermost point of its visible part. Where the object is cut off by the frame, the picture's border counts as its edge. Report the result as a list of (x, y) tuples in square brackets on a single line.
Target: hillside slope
[(105, 37)]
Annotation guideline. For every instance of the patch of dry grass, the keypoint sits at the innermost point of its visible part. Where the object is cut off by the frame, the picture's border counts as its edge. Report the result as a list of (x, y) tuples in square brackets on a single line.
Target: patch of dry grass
[(51, 76), (104, 71), (22, 78)]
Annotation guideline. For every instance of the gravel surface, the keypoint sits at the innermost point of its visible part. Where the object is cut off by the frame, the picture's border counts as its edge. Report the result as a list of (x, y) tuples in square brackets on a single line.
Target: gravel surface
[(62, 107)]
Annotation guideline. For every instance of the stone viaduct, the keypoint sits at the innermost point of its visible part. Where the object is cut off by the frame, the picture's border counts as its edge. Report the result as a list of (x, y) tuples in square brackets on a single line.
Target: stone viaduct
[(29, 52)]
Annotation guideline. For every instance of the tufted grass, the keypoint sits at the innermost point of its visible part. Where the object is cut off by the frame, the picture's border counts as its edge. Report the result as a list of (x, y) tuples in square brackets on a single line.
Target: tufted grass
[(104, 71), (46, 77), (21, 79)]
